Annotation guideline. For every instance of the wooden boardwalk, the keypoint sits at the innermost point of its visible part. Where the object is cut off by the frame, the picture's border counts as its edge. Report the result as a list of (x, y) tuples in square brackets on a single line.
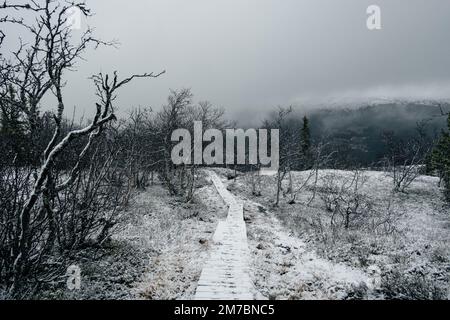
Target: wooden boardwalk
[(226, 274)]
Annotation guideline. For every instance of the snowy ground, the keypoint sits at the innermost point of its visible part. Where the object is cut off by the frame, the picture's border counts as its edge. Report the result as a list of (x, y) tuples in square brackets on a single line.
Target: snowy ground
[(288, 268), (297, 255), (160, 251), (180, 234), (157, 254)]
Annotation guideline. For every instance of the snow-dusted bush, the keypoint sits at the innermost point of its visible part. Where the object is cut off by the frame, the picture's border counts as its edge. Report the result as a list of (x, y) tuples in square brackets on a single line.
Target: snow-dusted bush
[(15, 185), (253, 178), (404, 159), (397, 284), (91, 207), (344, 199), (351, 206)]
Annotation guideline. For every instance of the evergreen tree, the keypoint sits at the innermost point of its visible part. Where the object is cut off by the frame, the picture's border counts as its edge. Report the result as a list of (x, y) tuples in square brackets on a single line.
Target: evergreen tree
[(440, 159), (305, 145)]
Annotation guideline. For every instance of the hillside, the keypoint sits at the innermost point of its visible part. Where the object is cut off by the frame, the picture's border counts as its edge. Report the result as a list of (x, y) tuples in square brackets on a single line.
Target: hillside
[(400, 251), (362, 127)]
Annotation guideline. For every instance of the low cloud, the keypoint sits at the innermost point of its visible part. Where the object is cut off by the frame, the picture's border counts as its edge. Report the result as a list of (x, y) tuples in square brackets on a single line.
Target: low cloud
[(377, 94)]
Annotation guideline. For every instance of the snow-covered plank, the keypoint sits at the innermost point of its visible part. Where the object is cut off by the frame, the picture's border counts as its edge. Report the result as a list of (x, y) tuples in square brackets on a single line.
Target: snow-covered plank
[(226, 274)]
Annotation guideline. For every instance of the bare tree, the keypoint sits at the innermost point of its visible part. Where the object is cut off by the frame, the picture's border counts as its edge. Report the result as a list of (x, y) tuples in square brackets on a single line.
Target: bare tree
[(404, 159), (286, 152), (34, 71), (174, 115)]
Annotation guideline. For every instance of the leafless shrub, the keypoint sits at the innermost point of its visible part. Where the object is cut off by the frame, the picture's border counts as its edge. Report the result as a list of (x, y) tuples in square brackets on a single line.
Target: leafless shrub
[(404, 160), (385, 220), (400, 285), (253, 178), (351, 207), (344, 199), (329, 190), (91, 207)]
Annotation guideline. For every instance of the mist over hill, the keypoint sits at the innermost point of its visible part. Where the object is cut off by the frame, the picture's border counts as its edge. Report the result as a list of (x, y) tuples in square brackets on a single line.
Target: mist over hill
[(357, 131)]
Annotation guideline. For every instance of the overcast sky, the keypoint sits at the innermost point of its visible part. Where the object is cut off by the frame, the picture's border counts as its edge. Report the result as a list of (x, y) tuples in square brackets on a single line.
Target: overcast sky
[(251, 55)]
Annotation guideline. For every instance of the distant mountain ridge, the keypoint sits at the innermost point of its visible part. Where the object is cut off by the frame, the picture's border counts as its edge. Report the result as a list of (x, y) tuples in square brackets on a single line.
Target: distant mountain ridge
[(357, 131)]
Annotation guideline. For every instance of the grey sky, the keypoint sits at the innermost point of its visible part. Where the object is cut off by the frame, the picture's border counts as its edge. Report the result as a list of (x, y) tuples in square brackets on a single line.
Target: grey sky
[(251, 55)]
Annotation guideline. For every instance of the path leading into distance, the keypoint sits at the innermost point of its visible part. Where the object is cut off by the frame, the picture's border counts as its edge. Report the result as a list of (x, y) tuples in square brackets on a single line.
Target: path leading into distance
[(226, 274)]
